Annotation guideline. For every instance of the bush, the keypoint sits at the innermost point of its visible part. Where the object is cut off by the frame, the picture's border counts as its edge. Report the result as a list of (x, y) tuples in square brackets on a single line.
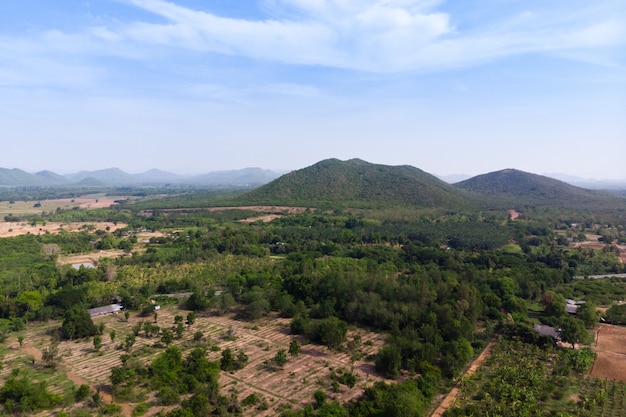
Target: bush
[(82, 393)]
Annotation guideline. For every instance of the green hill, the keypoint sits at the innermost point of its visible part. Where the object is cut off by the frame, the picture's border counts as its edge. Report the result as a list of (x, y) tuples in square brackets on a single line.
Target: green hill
[(511, 186), (17, 177), (356, 183)]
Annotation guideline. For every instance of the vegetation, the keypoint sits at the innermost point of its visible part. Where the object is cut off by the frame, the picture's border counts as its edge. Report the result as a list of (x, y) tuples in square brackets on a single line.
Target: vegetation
[(435, 271)]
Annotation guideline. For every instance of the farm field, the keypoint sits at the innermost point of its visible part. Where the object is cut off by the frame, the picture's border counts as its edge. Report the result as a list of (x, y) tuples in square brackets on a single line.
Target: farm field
[(611, 350), (8, 229), (19, 208), (279, 389)]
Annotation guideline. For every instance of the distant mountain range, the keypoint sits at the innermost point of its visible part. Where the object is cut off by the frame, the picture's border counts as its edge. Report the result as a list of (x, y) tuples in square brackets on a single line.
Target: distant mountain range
[(351, 183), (247, 177)]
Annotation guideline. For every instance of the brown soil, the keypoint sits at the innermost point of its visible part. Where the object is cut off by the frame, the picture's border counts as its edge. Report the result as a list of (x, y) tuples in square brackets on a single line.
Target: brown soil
[(448, 401), (513, 214), (9, 229), (34, 352), (92, 257), (260, 340), (611, 350)]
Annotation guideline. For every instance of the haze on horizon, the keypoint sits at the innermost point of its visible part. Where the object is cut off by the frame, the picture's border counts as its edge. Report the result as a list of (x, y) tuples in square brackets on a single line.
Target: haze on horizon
[(190, 86)]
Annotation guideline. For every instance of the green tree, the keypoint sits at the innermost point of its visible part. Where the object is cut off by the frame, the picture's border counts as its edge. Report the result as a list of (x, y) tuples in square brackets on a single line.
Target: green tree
[(294, 348), (588, 313), (280, 359), (129, 342), (167, 337), (227, 362), (78, 323), (573, 331), (388, 361), (97, 342), (191, 318)]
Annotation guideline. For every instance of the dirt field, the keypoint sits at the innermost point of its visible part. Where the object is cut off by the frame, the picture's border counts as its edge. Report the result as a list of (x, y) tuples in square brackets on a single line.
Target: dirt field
[(293, 386), (8, 229), (611, 350), (28, 207), (92, 257)]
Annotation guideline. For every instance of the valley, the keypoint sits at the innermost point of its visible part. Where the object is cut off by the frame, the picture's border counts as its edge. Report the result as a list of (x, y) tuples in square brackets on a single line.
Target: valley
[(345, 288)]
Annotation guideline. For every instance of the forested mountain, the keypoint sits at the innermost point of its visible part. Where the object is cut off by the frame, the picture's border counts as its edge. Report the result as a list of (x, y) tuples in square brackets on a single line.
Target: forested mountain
[(51, 177), (17, 177), (523, 188), (357, 183)]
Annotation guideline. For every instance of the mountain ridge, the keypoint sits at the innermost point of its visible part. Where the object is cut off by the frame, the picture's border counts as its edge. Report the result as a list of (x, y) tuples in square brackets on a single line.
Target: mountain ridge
[(357, 182), (247, 177)]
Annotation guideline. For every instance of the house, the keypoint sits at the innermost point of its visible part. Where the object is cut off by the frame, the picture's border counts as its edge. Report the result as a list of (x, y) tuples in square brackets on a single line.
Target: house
[(571, 306), (101, 311), (86, 265), (544, 330)]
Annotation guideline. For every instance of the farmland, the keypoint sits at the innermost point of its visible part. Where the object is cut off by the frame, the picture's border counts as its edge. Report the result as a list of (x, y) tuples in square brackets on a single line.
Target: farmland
[(299, 311), (610, 346), (291, 386)]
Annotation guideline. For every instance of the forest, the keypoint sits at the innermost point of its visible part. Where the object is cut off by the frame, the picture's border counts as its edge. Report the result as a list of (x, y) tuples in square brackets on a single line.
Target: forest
[(437, 283)]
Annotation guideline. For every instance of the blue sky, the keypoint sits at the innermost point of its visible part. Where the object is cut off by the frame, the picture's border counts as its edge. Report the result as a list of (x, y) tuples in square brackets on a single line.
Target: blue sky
[(193, 86)]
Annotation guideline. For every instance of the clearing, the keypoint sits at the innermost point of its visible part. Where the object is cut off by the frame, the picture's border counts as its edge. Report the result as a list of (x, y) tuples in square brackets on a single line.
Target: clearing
[(611, 349)]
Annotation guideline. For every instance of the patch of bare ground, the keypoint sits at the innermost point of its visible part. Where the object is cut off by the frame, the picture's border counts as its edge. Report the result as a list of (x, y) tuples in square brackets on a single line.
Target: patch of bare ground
[(92, 257), (449, 399), (10, 229), (272, 212), (260, 340), (611, 353), (514, 214), (300, 377)]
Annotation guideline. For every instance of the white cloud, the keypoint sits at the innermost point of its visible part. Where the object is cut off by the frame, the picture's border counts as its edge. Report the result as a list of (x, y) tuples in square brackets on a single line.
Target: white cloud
[(370, 35)]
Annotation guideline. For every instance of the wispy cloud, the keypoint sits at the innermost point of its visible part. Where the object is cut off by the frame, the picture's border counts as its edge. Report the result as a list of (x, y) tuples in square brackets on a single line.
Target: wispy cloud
[(369, 35)]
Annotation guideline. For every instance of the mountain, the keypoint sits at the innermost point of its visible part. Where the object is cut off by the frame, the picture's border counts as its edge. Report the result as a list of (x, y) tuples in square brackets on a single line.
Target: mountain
[(51, 178), (357, 183), (241, 177), (111, 176), (590, 183), (519, 187), (18, 178), (247, 177)]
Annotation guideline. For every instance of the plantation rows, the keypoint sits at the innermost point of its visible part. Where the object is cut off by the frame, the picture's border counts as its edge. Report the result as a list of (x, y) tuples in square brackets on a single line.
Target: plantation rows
[(603, 398)]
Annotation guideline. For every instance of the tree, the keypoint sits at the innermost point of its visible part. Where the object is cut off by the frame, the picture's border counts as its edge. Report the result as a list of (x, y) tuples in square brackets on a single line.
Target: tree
[(97, 342), (554, 304), (388, 361), (179, 329), (227, 362), (588, 313), (320, 397), (573, 331), (129, 342), (78, 324), (280, 359), (294, 348), (50, 355), (191, 318), (112, 333), (20, 340), (167, 337)]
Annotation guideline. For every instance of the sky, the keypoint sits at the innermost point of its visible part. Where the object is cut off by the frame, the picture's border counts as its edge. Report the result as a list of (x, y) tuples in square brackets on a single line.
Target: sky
[(194, 86)]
